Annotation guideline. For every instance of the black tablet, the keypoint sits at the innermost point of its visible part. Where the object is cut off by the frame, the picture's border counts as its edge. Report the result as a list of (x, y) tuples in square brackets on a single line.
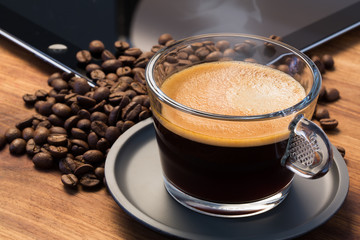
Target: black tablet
[(56, 30)]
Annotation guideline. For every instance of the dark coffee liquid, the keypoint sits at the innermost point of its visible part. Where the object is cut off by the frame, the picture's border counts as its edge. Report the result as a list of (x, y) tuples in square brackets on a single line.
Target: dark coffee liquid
[(222, 174)]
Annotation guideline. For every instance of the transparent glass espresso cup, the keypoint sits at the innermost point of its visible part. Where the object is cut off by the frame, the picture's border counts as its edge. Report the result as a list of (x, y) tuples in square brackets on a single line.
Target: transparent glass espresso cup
[(235, 180)]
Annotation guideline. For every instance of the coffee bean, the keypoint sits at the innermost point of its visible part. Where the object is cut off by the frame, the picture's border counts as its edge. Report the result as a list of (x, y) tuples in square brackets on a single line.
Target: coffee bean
[(99, 128), (45, 124), (103, 144), (69, 180), (58, 151), (17, 146), (43, 160), (138, 88), (80, 86), (41, 94), (44, 107), (131, 111), (83, 113), (328, 123), (41, 134), (99, 116), (83, 168), (316, 59), (2, 141), (332, 95), (127, 124), (57, 139), (96, 47), (99, 172), (106, 55), (101, 93), (134, 52), (59, 84), (92, 140), (214, 56), (144, 115), (83, 124), (78, 133), (12, 133), (93, 156), (83, 56), (164, 38), (78, 147), (67, 165), (86, 102), (126, 61), (31, 147), (29, 99), (27, 122), (321, 113), (328, 61), (61, 110), (111, 65), (341, 150), (121, 45), (91, 67), (27, 133), (57, 130), (52, 77), (97, 75), (112, 133), (89, 180)]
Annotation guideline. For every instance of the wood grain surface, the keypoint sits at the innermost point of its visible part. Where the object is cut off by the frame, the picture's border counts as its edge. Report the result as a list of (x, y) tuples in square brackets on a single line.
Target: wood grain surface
[(35, 205)]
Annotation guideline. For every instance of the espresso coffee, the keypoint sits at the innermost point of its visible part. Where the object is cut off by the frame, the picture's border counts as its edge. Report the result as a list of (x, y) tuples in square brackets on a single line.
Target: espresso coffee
[(227, 161)]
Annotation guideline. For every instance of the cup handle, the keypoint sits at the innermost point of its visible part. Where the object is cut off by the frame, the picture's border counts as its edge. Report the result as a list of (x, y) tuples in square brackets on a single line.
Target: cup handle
[(308, 152)]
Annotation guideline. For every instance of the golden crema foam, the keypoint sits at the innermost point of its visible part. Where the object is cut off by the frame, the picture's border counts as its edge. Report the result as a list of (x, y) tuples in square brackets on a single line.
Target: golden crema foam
[(230, 88)]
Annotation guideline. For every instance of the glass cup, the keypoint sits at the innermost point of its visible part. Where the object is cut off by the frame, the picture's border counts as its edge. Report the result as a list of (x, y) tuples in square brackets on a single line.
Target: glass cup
[(230, 173)]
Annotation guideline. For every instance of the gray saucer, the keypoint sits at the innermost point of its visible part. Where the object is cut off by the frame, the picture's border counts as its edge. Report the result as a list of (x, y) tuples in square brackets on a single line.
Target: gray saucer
[(134, 177)]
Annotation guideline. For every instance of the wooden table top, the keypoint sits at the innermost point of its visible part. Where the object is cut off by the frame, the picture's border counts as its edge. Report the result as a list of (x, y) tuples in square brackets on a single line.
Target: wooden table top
[(35, 205)]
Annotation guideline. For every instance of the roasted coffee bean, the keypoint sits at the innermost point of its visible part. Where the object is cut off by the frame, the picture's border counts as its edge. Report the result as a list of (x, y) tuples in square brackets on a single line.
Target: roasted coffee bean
[(202, 52), (78, 147), (96, 47), (69, 180), (99, 128), (55, 120), (59, 84), (29, 99), (57, 139), (97, 75), (45, 124), (322, 93), (91, 67), (70, 98), (112, 133), (131, 111), (134, 52), (93, 156), (71, 122), (81, 86), (222, 45), (111, 65), (115, 89), (123, 71), (138, 88), (103, 144), (61, 110), (121, 45), (27, 122), (92, 140), (328, 61), (53, 76), (126, 60), (84, 124), (316, 59), (101, 93), (127, 124), (44, 107), (43, 160), (89, 180), (75, 108), (86, 102), (31, 147), (332, 95), (83, 56), (341, 150), (143, 100), (12, 133), (99, 172), (57, 130), (214, 56), (164, 38), (83, 113), (17, 146), (106, 55), (328, 123), (41, 134), (27, 133), (67, 165), (58, 151), (321, 113), (41, 94), (245, 49), (83, 168), (67, 75), (98, 107), (2, 141), (144, 115), (99, 116), (78, 133), (193, 58)]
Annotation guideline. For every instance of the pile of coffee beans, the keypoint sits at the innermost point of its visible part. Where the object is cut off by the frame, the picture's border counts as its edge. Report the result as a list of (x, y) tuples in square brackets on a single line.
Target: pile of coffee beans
[(76, 124)]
